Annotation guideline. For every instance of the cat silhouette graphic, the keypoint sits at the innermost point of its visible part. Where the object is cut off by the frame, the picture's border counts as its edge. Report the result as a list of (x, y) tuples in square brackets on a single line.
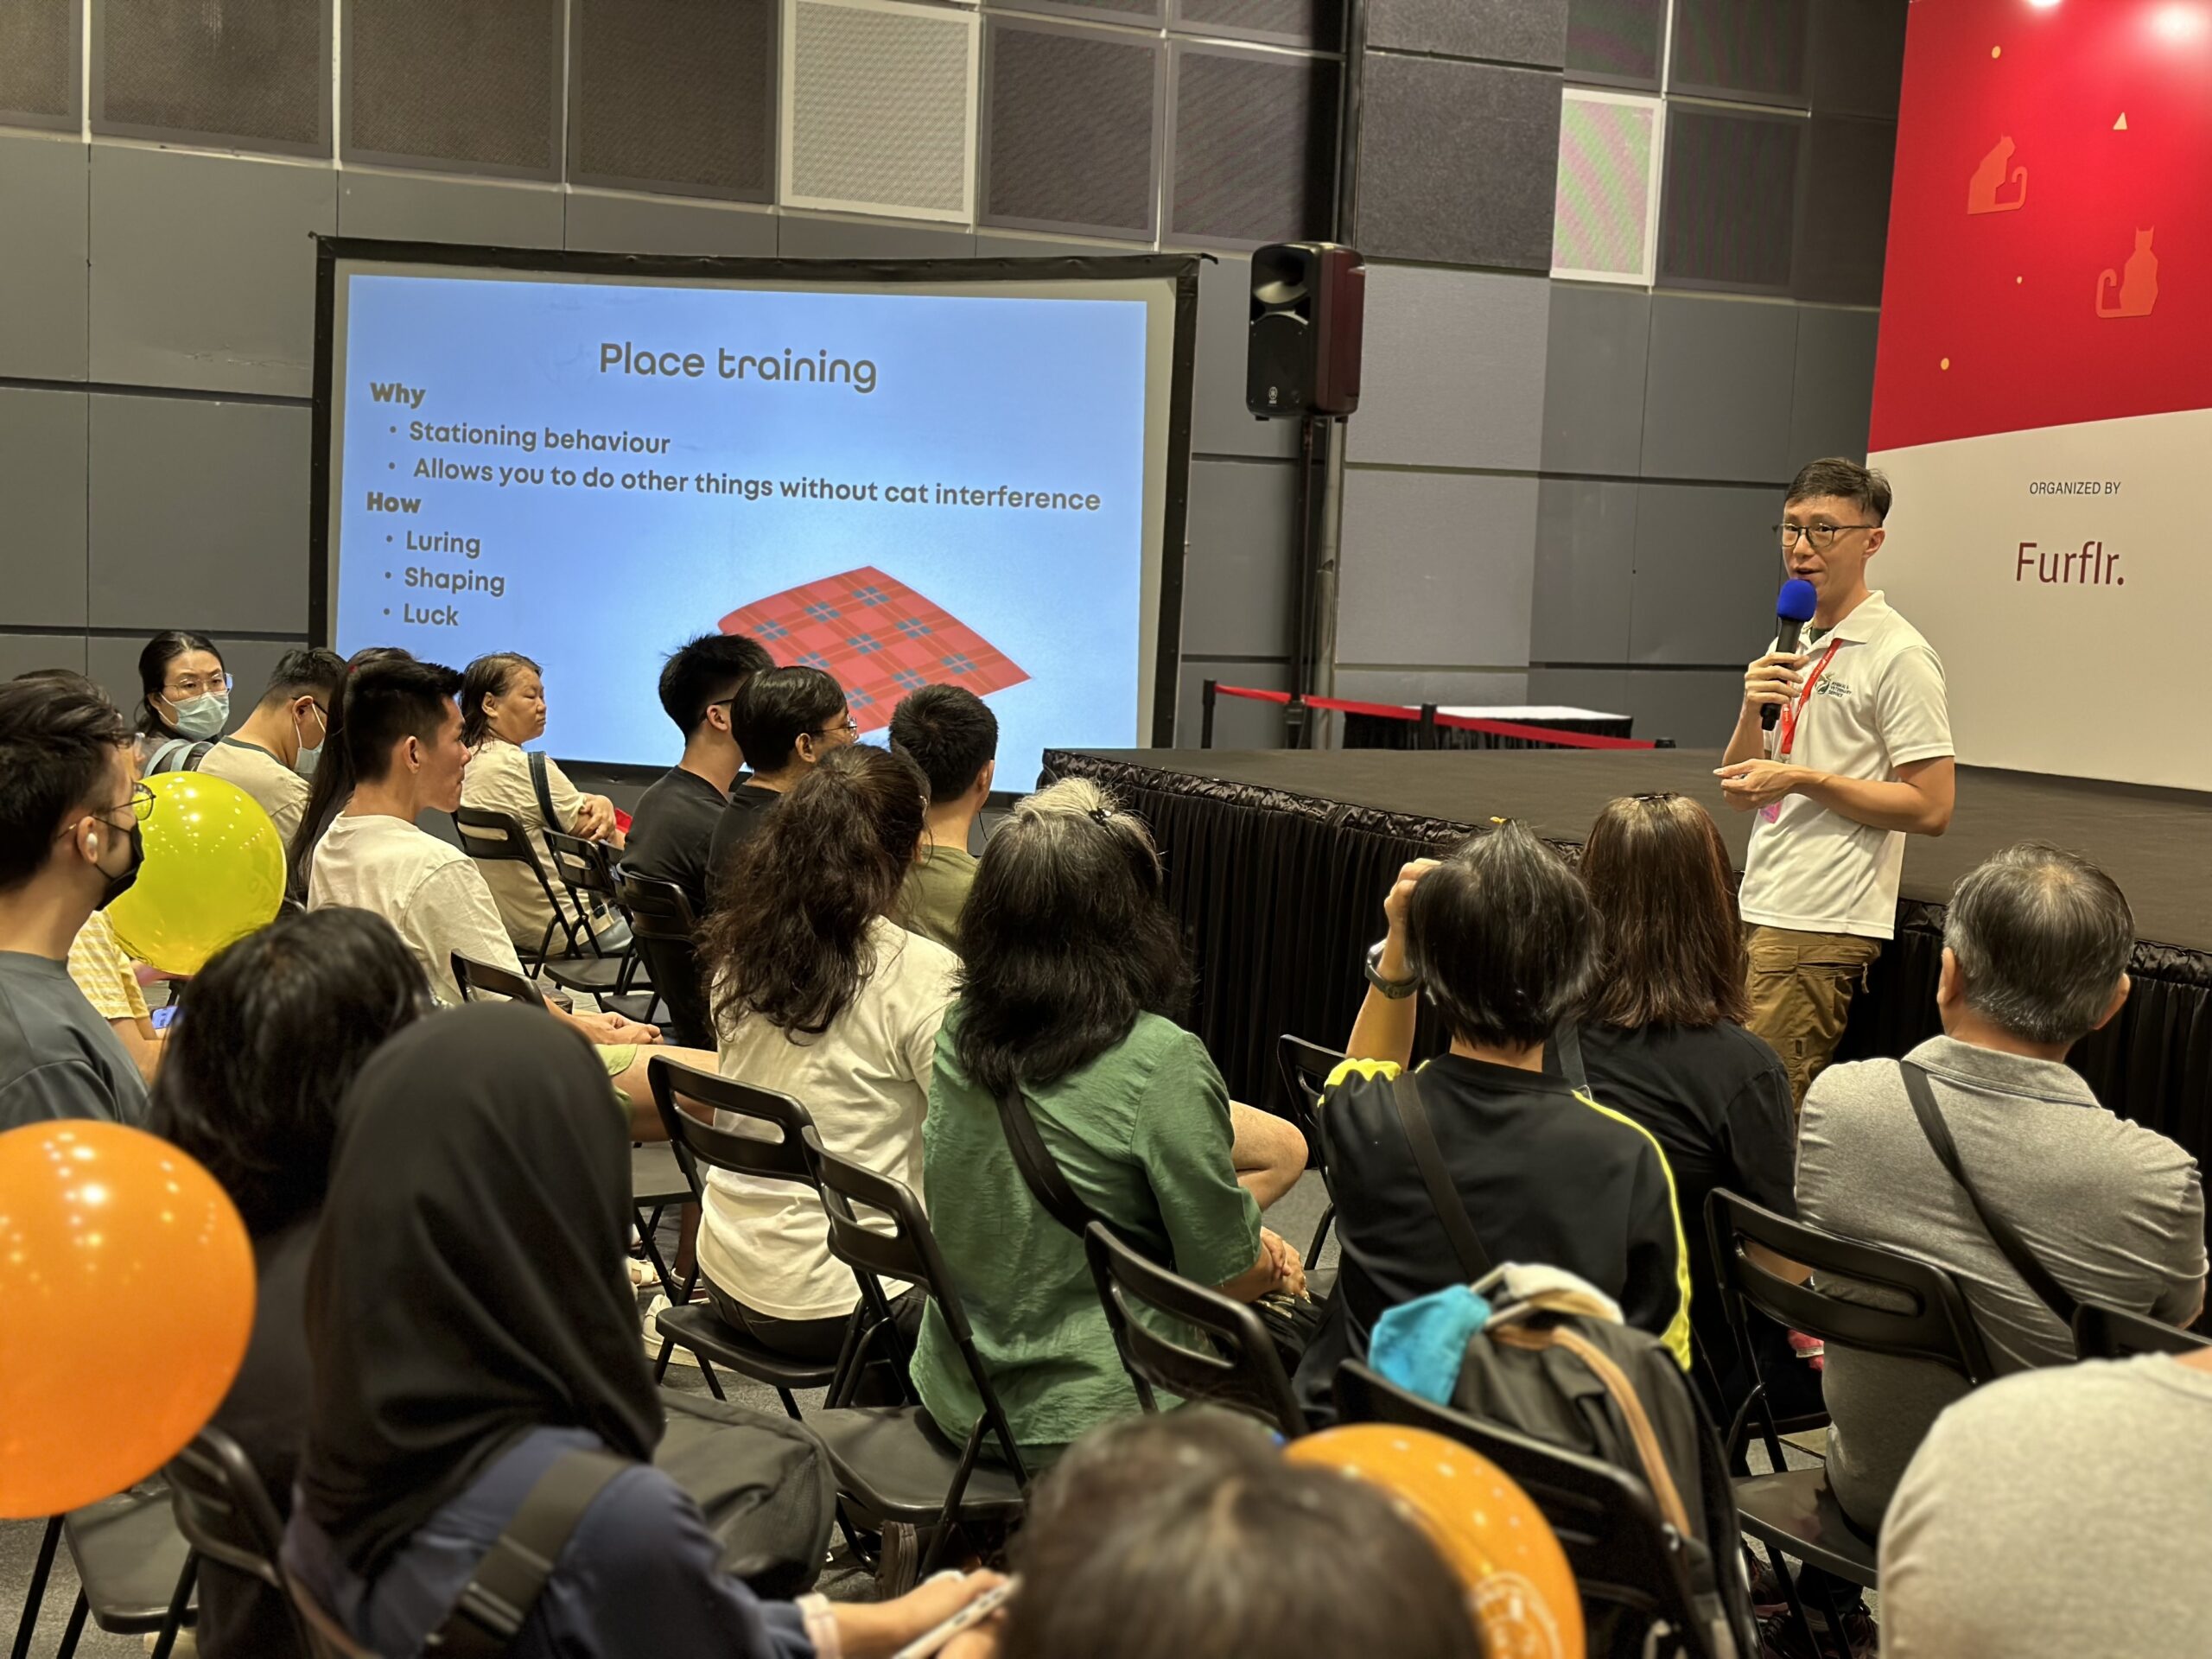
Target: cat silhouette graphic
[(1989, 178), (2138, 284)]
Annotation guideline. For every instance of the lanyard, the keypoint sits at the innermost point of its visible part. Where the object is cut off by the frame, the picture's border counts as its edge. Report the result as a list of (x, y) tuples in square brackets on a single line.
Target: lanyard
[(1791, 712)]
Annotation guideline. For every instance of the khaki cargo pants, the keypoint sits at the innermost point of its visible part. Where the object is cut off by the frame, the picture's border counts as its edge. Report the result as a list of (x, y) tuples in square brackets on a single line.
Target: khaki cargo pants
[(1800, 988)]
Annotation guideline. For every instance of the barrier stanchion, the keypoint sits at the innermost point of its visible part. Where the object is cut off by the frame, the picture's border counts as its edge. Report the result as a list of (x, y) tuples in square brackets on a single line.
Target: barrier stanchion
[(1426, 739), (1207, 693)]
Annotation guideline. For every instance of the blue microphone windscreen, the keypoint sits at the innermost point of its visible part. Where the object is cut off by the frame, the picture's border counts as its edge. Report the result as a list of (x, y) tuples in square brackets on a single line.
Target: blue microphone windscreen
[(1797, 601)]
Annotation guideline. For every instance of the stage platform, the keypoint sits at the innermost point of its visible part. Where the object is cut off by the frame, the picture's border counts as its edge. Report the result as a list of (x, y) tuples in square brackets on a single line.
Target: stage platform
[(1278, 860)]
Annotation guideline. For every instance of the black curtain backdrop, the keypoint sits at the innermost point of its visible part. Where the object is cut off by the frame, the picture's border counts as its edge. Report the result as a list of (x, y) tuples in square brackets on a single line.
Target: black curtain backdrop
[(1281, 893)]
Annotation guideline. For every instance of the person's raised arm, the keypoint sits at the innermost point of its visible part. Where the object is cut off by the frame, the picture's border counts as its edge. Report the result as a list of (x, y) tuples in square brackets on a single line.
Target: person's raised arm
[(1769, 682), (1384, 1027)]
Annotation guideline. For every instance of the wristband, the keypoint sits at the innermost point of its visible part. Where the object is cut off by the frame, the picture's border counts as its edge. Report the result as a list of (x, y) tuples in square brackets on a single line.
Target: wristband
[(821, 1626), (1393, 989)]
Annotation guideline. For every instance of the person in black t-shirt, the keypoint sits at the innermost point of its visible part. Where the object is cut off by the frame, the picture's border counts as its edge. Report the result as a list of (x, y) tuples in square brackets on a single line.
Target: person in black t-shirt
[(1500, 937), (786, 719)]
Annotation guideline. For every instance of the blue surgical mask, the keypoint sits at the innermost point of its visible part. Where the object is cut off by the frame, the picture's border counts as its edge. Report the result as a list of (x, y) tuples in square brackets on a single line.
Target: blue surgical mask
[(310, 753), (203, 716)]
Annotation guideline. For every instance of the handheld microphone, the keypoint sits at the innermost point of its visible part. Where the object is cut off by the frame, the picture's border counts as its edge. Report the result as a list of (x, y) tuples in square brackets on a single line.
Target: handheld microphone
[(1793, 609)]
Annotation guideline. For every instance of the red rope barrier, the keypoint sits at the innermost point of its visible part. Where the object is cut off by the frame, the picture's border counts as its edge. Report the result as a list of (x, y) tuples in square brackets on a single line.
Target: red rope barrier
[(1458, 722)]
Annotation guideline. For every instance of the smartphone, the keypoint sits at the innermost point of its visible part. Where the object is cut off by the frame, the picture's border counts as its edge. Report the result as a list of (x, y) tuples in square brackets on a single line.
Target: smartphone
[(164, 1017), (967, 1619)]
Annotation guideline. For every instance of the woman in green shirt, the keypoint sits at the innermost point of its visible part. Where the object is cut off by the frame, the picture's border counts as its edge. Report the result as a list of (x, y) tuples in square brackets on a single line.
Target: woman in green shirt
[(1073, 971)]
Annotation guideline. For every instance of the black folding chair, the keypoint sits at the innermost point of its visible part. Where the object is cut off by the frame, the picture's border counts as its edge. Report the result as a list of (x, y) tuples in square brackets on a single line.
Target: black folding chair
[(135, 1572), (586, 870), (499, 838), (1241, 1369), (666, 933), (892, 1461), (1792, 1511), (327, 1639), (2102, 1332), (226, 1514), (1623, 1552), (1305, 1067)]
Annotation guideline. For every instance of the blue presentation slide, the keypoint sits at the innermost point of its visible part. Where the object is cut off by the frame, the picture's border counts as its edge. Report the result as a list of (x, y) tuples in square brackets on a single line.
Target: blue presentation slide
[(901, 488)]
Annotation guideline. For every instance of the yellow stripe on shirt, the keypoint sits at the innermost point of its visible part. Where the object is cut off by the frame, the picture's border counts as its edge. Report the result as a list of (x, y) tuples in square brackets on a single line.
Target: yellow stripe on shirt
[(1677, 1339)]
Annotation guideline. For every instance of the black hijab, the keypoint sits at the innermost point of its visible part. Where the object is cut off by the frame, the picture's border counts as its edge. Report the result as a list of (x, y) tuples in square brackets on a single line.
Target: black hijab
[(468, 1284)]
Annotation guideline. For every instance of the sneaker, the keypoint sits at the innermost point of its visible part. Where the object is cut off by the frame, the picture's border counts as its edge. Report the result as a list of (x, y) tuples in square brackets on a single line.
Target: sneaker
[(1779, 1637), (676, 1355)]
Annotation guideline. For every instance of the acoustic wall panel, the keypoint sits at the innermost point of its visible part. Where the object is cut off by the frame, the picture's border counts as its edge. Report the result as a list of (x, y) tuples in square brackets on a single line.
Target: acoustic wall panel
[(1857, 56), (1073, 121), (878, 101), (1616, 43), (1316, 23), (248, 75), (1832, 398), (1147, 13), (1252, 146), (1728, 210), (1454, 370), (1240, 572), (1436, 568), (413, 208), (1748, 49), (1696, 708), (1707, 569), (805, 236), (1238, 723), (1458, 162), (21, 652), (41, 59), (1586, 562), (625, 224), (45, 242), (473, 88), (1450, 687), (1508, 31), (678, 96), (1594, 369), (1717, 390), (42, 484), (1605, 217), (1844, 229)]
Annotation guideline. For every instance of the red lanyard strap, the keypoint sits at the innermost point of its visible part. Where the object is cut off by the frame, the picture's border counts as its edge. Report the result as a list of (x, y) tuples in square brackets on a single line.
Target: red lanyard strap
[(1791, 711)]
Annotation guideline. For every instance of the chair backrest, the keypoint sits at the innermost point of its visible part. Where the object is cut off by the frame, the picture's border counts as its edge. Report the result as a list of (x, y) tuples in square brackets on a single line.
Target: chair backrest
[(658, 909), (782, 1157), (223, 1510), (326, 1638), (497, 837), (1305, 1067), (666, 930), (1241, 1369), (1622, 1552), (2102, 1332), (583, 865), (1936, 1325), (474, 976)]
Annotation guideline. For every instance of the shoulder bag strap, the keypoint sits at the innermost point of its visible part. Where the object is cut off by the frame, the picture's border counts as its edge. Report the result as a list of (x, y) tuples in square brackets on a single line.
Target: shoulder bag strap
[(1443, 1197), (507, 1581), (1041, 1171), (2008, 1241), (1567, 1040), (538, 782)]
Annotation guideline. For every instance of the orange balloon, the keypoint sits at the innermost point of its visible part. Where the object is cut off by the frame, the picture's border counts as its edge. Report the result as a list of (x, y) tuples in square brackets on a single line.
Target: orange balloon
[(126, 1298), (1484, 1525)]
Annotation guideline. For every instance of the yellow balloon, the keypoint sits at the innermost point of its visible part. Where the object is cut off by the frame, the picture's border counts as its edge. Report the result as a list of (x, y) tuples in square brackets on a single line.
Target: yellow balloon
[(215, 872)]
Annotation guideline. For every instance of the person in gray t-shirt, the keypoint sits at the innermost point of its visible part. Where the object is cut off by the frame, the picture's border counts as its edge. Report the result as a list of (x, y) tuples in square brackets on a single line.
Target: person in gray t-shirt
[(2036, 948), (2054, 1516), (69, 841)]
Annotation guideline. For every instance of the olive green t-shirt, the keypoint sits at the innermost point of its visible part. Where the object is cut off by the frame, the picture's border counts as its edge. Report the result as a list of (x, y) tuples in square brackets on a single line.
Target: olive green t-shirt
[(1143, 1134), (935, 889)]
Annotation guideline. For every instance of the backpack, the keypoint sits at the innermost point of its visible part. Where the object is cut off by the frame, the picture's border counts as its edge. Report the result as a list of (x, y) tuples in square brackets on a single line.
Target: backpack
[(178, 755)]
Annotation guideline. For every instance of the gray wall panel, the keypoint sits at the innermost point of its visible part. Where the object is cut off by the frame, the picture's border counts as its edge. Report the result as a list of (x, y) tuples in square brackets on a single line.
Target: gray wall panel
[(21, 652), (415, 207), (1436, 568), (42, 494), (1448, 686), (1458, 162), (1586, 567), (1509, 31), (1696, 708), (799, 237), (1220, 424), (1594, 372), (619, 224), (200, 515), (1706, 570), (1239, 574), (1716, 394), (1022, 244), (1834, 400), (45, 239), (203, 274), (1238, 723), (114, 665), (1453, 374)]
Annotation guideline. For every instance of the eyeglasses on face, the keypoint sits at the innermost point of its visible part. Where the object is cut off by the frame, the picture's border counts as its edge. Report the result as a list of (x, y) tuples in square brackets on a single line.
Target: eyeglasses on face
[(196, 685), (849, 726), (1823, 535), (140, 805)]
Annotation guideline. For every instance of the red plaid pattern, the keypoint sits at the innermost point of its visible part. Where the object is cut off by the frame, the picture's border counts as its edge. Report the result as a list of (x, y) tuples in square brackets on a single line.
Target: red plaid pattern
[(877, 637)]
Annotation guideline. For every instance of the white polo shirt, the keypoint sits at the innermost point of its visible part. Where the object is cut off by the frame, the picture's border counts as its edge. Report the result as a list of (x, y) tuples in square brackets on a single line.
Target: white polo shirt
[(1877, 705)]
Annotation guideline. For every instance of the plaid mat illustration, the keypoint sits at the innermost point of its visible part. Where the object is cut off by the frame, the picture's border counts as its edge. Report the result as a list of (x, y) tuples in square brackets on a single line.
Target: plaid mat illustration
[(877, 637)]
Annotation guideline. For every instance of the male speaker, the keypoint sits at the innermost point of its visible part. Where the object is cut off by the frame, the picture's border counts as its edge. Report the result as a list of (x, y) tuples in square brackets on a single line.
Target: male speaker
[(1308, 301)]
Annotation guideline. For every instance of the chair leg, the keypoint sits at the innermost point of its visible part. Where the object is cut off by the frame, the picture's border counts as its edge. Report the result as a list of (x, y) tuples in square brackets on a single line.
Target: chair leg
[(1797, 1615), (76, 1627), (653, 1254), (660, 1365), (713, 1382), (35, 1597), (179, 1601), (1321, 1236)]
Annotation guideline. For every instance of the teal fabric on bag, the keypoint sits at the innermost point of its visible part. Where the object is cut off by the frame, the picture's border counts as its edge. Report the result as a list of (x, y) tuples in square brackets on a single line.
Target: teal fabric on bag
[(1418, 1344)]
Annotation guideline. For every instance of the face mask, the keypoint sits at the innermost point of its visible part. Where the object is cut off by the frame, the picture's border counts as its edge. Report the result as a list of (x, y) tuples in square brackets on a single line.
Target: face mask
[(119, 883), (304, 762), (203, 716)]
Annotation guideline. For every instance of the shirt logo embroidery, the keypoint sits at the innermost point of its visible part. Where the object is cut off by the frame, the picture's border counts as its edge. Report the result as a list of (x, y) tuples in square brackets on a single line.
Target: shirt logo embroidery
[(1829, 686)]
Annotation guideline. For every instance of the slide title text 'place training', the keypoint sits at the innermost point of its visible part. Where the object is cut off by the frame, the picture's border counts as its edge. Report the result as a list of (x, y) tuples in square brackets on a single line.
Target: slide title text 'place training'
[(622, 357)]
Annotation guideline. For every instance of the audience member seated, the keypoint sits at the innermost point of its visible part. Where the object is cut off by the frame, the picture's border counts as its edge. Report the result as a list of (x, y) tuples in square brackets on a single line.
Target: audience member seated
[(2053, 1514), (103, 970), (269, 756), (274, 1030), (954, 738), (1501, 938), (2036, 947), (502, 708), (480, 1167), (184, 700), (673, 827), (70, 808), (1074, 974), (1663, 1041), (819, 995), (785, 720), (331, 785)]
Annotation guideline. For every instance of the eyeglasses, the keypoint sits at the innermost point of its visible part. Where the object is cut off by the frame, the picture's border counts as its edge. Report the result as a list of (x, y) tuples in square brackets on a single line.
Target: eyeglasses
[(1823, 535), (140, 805), (196, 686), (850, 726)]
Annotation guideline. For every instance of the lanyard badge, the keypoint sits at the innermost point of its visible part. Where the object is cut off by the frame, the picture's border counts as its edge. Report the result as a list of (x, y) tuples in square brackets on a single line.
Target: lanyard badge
[(1790, 714)]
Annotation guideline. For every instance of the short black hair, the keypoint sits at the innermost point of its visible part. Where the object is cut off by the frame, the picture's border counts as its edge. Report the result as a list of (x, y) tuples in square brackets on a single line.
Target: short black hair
[(1845, 479), (58, 738), (1502, 939), (703, 671), (776, 706), (390, 700), (153, 661), (304, 671), (270, 1034), (950, 734), (2042, 937)]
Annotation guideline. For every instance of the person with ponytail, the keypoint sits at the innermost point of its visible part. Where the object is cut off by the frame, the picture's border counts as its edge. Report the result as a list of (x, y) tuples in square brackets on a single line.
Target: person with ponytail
[(184, 700), (332, 785), (816, 992)]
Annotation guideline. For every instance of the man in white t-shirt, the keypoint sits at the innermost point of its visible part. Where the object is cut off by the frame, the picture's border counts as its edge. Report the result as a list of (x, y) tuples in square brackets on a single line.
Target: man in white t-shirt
[(269, 756), (1859, 758)]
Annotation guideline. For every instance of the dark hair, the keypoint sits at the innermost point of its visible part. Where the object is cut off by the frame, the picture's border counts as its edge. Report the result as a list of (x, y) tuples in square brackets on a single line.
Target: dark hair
[(1064, 940), (1184, 1535), (69, 676), (332, 782), (1845, 479), (776, 706), (703, 671), (1502, 939), (1671, 953), (388, 701), (57, 741), (950, 733), (489, 676), (2042, 937), (307, 670), (154, 673), (270, 1034), (787, 936)]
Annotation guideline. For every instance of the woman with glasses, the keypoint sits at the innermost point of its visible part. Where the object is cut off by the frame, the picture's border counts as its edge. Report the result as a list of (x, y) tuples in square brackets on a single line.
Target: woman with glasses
[(184, 700)]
